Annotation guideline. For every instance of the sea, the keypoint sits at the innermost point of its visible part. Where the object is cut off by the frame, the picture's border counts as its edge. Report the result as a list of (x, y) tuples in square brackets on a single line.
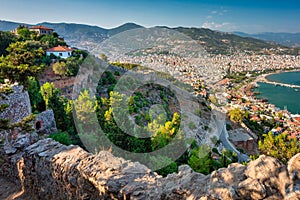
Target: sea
[(283, 97)]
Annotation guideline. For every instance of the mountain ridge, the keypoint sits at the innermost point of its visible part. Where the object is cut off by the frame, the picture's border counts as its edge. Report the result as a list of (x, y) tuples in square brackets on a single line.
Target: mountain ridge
[(283, 38), (216, 42)]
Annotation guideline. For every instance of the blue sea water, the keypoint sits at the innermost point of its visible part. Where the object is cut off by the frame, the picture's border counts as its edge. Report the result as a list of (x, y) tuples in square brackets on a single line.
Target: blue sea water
[(282, 96), (286, 77)]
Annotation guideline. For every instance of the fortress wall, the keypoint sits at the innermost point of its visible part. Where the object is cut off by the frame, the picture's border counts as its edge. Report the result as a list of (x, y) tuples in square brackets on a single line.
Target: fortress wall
[(19, 105), (49, 170)]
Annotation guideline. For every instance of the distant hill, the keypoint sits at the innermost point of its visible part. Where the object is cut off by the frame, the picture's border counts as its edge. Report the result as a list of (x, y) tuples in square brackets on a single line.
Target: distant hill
[(122, 28), (8, 26), (79, 35), (88, 37), (287, 39), (225, 43)]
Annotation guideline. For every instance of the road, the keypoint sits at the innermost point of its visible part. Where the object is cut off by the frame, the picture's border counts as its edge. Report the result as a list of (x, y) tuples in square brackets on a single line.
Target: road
[(227, 144)]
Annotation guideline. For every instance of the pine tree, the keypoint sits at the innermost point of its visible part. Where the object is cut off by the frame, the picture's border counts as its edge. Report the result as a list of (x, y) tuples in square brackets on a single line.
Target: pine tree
[(281, 147)]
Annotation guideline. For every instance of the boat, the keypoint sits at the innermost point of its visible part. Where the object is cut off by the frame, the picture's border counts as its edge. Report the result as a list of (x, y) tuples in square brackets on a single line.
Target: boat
[(296, 90)]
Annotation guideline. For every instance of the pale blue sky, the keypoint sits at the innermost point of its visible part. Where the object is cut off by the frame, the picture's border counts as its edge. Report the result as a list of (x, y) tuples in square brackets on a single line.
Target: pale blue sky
[(225, 15)]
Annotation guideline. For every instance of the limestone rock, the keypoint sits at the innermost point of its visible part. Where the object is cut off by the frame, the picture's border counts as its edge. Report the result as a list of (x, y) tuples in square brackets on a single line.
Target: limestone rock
[(223, 182), (294, 172), (294, 167), (20, 142), (271, 173), (251, 189), (45, 123), (49, 170), (19, 105)]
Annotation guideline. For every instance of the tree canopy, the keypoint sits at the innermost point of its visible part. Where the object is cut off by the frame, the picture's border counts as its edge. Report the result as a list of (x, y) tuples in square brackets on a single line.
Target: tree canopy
[(281, 147), (24, 59), (6, 39), (60, 68), (236, 115)]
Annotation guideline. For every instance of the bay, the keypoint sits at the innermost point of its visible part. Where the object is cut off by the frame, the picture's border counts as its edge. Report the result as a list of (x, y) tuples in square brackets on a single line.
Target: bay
[(292, 78), (279, 95)]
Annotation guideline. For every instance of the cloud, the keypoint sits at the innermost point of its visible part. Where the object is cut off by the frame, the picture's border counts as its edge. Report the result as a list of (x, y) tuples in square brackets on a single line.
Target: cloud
[(219, 12), (225, 26)]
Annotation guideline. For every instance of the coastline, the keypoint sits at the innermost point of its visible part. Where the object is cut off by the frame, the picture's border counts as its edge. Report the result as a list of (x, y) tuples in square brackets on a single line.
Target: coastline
[(263, 78)]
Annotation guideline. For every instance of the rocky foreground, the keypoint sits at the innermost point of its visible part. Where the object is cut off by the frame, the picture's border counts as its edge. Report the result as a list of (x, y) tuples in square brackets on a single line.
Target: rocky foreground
[(49, 170)]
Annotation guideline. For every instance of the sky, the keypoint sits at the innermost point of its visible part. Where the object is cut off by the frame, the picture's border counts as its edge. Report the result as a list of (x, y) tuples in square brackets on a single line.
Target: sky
[(224, 15)]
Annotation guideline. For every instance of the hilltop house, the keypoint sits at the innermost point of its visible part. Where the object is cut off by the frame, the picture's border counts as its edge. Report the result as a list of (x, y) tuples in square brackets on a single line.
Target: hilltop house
[(42, 30), (60, 51)]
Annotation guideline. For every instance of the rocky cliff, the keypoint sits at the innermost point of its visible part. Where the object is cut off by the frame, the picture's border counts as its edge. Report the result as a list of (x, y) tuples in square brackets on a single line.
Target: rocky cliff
[(49, 170)]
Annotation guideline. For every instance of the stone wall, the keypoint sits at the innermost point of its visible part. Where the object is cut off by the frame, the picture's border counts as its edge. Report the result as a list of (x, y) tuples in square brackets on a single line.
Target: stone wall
[(65, 84), (19, 105), (45, 123), (49, 170)]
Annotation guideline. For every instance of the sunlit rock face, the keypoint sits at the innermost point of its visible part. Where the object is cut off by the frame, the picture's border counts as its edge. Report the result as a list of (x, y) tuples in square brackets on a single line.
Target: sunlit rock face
[(49, 170)]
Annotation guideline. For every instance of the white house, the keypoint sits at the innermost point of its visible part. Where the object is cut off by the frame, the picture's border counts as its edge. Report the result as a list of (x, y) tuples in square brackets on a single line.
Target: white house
[(42, 30), (60, 51)]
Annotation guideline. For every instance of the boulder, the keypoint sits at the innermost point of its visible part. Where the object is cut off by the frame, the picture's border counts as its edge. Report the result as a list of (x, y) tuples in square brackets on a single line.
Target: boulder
[(293, 168)]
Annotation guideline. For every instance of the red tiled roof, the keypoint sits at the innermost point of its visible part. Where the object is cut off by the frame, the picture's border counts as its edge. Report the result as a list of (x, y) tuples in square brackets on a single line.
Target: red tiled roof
[(41, 27), (60, 49), (297, 119)]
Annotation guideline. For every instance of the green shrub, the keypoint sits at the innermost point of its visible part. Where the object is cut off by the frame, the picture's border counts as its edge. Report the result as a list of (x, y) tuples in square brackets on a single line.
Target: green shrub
[(228, 127), (171, 168), (61, 137), (117, 73)]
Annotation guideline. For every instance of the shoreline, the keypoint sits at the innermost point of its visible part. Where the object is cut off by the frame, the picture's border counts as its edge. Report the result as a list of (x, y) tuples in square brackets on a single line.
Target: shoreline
[(262, 78)]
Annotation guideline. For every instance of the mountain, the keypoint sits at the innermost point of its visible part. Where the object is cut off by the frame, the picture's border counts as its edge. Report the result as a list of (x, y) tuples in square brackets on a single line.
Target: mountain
[(124, 27), (79, 35), (225, 43), (287, 39), (88, 37), (8, 26)]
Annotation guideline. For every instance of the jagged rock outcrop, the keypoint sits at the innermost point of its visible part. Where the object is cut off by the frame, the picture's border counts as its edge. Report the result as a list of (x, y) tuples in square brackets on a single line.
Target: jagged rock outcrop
[(49, 170), (16, 139), (19, 104)]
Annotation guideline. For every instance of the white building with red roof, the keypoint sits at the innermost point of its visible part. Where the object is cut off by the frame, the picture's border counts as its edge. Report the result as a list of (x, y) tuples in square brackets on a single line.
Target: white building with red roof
[(60, 51), (42, 30)]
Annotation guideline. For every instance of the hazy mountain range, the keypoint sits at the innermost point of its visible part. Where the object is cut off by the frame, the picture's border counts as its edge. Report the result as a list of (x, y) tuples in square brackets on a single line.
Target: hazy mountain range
[(287, 39), (87, 37)]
